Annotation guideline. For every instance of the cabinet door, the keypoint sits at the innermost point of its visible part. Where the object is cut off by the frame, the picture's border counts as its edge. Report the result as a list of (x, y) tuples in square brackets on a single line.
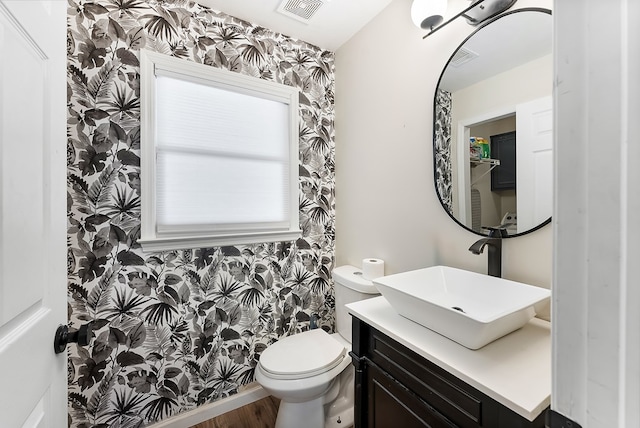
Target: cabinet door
[(392, 405), (503, 148), (436, 387)]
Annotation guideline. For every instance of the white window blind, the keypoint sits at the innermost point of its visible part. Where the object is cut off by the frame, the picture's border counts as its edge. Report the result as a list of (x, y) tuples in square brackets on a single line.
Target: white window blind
[(223, 149)]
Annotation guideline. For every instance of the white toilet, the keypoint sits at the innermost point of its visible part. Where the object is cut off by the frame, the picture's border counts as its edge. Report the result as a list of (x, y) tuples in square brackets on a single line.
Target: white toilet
[(311, 372)]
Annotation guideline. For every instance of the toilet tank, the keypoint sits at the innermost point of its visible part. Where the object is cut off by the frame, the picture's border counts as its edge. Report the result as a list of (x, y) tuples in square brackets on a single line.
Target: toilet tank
[(349, 286)]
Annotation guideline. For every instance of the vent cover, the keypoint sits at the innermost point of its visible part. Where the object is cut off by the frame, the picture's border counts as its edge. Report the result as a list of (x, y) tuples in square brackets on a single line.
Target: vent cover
[(301, 10), (462, 56)]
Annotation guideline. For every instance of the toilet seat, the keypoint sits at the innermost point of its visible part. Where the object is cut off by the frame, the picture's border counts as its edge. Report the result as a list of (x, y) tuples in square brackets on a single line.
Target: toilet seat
[(302, 355)]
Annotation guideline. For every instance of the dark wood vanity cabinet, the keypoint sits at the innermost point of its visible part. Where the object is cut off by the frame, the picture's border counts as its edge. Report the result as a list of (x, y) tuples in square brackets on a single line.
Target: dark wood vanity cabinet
[(395, 387)]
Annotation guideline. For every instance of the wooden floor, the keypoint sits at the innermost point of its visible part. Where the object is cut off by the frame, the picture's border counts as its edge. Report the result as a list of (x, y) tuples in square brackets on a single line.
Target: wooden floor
[(260, 414)]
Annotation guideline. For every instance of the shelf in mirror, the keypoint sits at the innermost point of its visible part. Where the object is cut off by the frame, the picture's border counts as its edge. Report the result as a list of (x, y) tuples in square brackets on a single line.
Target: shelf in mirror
[(485, 161)]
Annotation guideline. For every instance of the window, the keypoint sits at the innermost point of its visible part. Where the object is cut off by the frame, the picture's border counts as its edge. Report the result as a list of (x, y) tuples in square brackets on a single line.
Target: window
[(219, 159)]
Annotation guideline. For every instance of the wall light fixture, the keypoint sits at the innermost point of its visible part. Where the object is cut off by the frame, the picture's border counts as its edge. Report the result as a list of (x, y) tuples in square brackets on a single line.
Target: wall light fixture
[(427, 14)]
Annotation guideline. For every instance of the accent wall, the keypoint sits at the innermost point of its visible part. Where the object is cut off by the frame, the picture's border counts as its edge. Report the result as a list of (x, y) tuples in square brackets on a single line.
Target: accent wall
[(177, 329)]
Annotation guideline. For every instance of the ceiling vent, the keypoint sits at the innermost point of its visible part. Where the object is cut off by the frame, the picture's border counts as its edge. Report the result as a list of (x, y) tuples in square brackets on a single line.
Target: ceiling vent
[(301, 10), (462, 56)]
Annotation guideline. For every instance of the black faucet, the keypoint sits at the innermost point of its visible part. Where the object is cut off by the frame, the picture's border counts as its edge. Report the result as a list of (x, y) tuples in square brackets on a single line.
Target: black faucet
[(494, 256)]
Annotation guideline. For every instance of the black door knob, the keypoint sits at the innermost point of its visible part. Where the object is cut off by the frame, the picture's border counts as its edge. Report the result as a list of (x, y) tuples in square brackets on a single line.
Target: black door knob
[(63, 337)]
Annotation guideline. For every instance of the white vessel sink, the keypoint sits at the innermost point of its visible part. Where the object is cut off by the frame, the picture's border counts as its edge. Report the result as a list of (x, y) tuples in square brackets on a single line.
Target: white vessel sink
[(467, 307)]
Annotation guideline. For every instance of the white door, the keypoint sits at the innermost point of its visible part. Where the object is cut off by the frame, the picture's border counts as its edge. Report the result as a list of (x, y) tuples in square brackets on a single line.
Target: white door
[(32, 212), (534, 162)]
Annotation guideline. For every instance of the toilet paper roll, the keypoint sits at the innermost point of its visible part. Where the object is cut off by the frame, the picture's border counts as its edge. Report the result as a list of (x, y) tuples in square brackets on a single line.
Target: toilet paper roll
[(372, 268)]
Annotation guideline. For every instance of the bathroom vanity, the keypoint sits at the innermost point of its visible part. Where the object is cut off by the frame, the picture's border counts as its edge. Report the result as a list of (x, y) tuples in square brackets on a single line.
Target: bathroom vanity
[(409, 376)]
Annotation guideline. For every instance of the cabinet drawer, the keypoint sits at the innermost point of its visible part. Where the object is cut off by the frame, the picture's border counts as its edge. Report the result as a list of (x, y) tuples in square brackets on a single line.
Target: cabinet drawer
[(439, 389)]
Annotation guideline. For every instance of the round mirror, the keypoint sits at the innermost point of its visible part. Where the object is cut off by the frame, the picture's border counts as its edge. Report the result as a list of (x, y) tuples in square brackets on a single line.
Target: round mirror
[(493, 118)]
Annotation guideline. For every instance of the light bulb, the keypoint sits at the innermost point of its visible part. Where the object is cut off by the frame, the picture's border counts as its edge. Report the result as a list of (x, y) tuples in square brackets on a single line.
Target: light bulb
[(427, 14)]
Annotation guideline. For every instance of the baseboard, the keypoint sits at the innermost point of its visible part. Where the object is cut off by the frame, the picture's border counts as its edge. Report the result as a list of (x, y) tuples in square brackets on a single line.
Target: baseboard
[(211, 410)]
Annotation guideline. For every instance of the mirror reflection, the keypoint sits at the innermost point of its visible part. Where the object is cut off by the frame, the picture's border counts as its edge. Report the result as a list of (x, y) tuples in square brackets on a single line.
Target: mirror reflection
[(493, 126)]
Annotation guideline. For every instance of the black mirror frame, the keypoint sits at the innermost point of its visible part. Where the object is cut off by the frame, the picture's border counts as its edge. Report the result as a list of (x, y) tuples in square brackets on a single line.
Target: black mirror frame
[(435, 97)]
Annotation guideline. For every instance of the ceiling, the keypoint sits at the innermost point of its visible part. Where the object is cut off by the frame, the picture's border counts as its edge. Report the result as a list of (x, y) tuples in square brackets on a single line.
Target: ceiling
[(510, 41), (334, 22), (517, 40)]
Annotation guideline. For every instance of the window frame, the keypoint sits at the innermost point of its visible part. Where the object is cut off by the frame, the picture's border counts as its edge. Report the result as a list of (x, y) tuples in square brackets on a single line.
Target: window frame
[(150, 238)]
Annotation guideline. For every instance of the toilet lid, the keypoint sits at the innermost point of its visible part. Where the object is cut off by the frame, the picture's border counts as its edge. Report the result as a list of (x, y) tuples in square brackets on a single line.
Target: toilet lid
[(302, 355)]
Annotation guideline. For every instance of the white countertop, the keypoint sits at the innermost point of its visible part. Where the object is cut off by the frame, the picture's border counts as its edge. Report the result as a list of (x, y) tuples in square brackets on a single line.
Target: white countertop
[(514, 370)]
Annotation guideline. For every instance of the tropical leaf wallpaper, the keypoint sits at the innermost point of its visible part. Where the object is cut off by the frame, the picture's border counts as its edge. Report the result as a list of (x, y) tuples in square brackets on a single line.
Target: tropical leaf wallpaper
[(442, 149), (178, 329)]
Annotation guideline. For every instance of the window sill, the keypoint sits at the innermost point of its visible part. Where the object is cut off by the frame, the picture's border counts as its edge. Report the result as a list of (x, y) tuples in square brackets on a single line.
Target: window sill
[(156, 244)]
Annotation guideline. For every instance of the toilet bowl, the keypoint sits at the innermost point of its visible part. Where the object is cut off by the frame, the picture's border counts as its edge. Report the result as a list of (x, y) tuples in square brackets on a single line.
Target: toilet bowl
[(311, 372), (305, 388)]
